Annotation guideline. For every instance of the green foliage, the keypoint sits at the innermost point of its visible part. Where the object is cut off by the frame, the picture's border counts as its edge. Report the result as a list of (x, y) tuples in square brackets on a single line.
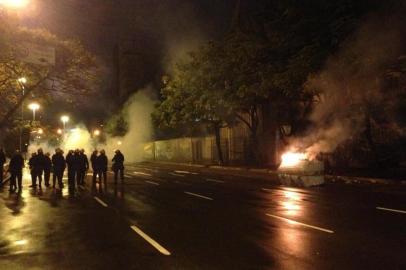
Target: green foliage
[(76, 72), (117, 126)]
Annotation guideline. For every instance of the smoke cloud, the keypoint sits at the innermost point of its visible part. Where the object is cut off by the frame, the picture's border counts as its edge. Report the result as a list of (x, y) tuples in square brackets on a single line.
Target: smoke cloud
[(350, 84), (137, 112)]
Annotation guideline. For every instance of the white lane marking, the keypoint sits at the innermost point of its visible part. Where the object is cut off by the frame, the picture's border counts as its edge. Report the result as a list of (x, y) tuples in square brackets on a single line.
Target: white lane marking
[(100, 201), (391, 210), (141, 173), (152, 183), (186, 172), (290, 221), (214, 180), (199, 196), (180, 175), (151, 241)]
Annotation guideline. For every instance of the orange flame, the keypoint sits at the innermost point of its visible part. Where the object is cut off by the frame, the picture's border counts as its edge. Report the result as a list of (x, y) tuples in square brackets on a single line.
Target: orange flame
[(292, 159)]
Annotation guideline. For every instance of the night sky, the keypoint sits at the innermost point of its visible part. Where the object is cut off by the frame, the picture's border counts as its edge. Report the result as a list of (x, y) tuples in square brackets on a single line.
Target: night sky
[(100, 23), (161, 30)]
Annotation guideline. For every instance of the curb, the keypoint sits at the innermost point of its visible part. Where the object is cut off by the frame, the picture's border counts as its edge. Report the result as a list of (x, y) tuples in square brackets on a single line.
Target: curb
[(329, 178), (359, 180)]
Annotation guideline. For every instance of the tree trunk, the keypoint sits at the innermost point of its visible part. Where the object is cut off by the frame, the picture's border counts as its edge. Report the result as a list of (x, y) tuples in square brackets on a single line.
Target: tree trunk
[(217, 134)]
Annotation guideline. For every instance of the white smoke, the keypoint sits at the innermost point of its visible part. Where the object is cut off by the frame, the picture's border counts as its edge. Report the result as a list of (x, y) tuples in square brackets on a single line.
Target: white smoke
[(137, 112), (350, 84)]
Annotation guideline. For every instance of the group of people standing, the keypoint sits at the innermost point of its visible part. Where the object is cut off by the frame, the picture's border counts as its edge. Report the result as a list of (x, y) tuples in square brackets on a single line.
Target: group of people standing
[(76, 162)]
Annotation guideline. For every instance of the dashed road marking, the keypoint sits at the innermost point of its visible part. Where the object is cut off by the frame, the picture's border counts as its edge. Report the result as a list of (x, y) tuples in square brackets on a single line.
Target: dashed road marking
[(152, 183), (141, 173), (100, 201), (199, 196), (391, 210), (290, 221), (214, 180), (180, 175), (151, 241), (186, 172)]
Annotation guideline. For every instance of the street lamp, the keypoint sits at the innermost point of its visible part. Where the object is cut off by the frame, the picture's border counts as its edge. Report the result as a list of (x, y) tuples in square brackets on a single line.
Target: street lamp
[(21, 81), (64, 119), (14, 4), (59, 131), (34, 107), (96, 132)]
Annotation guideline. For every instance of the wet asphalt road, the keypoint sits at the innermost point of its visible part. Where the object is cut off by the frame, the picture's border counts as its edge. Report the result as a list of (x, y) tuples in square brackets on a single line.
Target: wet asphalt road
[(189, 218)]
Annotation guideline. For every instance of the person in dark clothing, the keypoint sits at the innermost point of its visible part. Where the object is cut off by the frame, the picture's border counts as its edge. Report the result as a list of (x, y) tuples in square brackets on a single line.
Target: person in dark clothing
[(102, 163), (118, 166), (93, 162), (39, 166), (59, 165), (70, 161), (31, 164), (47, 168), (83, 166), (16, 170), (2, 161)]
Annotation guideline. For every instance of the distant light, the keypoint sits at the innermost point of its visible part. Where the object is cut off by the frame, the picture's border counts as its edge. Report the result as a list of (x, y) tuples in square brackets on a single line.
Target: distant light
[(96, 132), (40, 131), (22, 80), (21, 242), (65, 118), (59, 131), (34, 106), (17, 4), (119, 143)]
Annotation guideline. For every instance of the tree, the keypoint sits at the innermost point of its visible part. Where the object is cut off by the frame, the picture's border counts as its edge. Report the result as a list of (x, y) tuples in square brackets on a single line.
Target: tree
[(194, 95), (76, 73)]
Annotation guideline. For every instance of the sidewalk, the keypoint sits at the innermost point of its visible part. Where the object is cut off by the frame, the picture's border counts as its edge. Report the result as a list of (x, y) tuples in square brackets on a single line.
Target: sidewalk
[(255, 172)]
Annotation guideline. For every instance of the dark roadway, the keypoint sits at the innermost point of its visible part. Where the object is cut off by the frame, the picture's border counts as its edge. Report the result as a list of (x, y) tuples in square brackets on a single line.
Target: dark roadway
[(170, 218)]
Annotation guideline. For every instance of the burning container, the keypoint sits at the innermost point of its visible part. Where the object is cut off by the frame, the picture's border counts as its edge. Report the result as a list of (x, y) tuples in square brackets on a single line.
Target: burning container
[(297, 169)]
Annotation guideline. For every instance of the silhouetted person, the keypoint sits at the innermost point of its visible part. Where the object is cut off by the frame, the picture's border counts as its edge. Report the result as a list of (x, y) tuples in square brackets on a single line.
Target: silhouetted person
[(47, 168), (102, 163), (93, 162), (39, 165), (2, 161), (59, 165), (118, 166), (83, 166), (71, 171), (31, 164), (16, 169)]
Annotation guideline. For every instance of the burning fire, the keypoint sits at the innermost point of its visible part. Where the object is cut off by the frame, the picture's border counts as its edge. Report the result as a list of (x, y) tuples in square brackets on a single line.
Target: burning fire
[(292, 159)]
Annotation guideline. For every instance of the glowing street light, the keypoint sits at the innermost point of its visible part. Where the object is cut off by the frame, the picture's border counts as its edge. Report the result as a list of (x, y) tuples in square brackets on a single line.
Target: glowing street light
[(22, 80), (64, 119), (34, 107), (119, 143), (40, 131), (14, 4), (59, 131), (96, 132)]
